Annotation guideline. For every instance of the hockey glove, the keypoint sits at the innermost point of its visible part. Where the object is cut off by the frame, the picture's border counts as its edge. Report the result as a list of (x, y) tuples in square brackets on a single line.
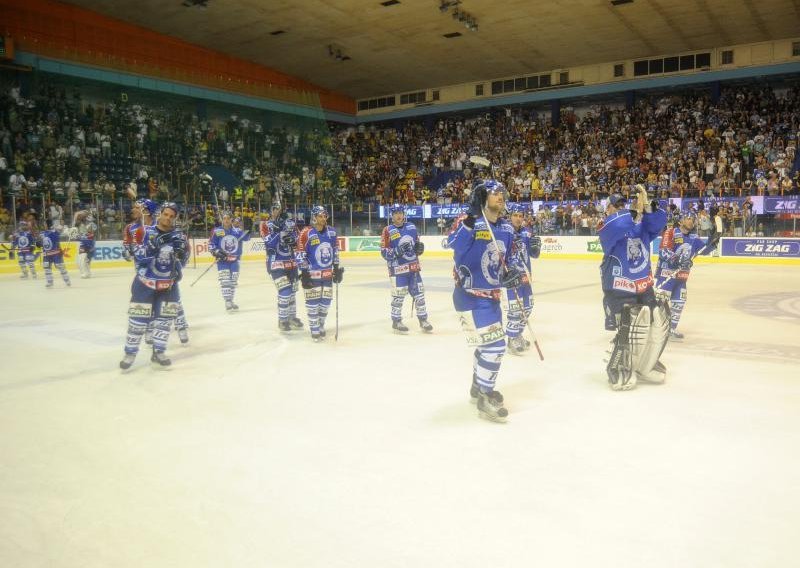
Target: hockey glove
[(126, 254), (288, 239), (535, 246), (469, 221), (510, 277), (419, 247), (305, 279), (220, 254), (163, 239), (338, 274)]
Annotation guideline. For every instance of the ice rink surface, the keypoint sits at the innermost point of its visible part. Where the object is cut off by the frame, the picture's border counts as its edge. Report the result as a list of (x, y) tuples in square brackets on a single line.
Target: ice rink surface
[(257, 449)]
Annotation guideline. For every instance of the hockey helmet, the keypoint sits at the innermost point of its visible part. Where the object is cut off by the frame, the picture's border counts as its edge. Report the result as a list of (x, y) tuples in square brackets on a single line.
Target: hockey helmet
[(318, 210), (515, 208), (397, 208), (148, 205), (483, 188), (170, 205)]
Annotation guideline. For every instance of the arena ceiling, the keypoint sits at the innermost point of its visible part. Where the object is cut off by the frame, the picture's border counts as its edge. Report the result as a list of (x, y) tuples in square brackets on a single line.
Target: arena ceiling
[(401, 47)]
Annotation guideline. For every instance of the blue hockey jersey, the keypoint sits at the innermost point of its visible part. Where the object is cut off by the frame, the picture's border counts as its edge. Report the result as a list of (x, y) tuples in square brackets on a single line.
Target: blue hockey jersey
[(626, 250), (317, 251), (229, 241), (397, 248), (675, 247), (521, 249), (280, 242), (51, 243), (160, 259), (477, 260), (24, 242)]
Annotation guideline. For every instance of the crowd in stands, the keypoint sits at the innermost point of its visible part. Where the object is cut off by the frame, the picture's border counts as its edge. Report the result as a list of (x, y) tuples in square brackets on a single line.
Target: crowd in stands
[(60, 153)]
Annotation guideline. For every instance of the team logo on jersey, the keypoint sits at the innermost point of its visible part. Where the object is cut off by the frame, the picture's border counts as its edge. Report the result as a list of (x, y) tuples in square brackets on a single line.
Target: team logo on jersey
[(637, 256), (162, 264), (490, 262), (47, 244), (324, 254), (229, 244), (401, 243), (23, 242)]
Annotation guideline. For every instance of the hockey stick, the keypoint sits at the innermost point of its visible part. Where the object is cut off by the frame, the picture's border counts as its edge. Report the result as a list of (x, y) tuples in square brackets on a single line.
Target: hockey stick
[(213, 262), (336, 330)]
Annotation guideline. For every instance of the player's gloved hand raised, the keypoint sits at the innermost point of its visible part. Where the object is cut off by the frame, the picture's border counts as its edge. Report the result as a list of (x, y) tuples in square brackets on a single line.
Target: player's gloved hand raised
[(469, 221), (305, 279), (126, 254), (419, 247), (338, 274), (510, 277)]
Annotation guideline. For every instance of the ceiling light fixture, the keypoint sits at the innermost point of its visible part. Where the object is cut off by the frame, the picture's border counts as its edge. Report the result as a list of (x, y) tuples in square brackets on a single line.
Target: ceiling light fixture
[(470, 22)]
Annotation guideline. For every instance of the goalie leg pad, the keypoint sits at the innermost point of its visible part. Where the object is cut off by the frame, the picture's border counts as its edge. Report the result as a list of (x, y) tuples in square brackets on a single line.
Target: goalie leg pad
[(647, 364), (620, 369)]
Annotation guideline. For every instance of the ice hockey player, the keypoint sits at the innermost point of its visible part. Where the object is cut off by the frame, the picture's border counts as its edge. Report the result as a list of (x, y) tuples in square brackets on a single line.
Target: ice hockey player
[(24, 242), (482, 253), (630, 305), (50, 242), (520, 300), (154, 292), (86, 246), (318, 260), (128, 234), (281, 240), (679, 246), (401, 248), (225, 245)]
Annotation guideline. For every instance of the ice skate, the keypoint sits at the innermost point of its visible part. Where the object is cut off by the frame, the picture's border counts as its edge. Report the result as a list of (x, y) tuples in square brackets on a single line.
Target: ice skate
[(316, 337), (160, 358), (183, 335), (425, 325), (490, 406), (295, 323), (399, 327), (127, 361), (516, 345), (284, 326), (228, 306), (675, 335)]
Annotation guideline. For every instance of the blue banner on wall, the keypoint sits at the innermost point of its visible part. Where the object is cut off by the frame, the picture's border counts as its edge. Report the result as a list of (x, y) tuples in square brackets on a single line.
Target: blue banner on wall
[(789, 204), (761, 247), (453, 210), (412, 211)]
